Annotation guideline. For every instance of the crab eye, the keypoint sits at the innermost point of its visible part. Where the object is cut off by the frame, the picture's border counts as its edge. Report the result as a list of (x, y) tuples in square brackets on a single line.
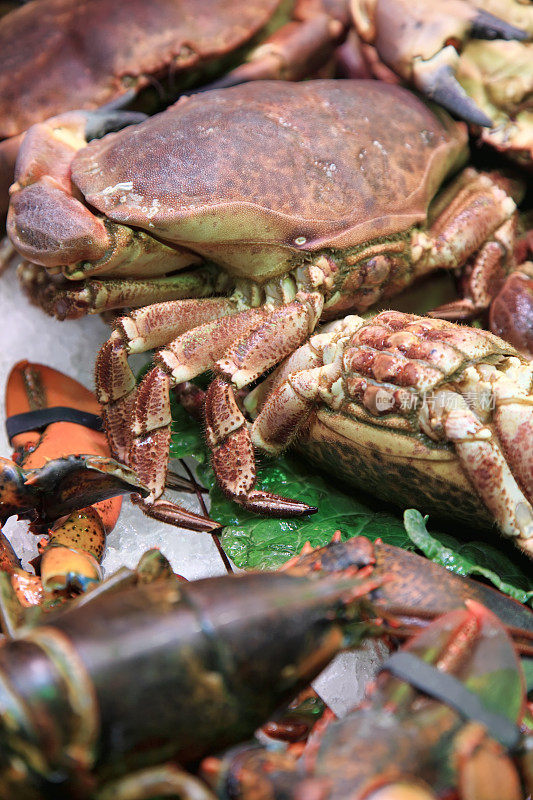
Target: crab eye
[(300, 240)]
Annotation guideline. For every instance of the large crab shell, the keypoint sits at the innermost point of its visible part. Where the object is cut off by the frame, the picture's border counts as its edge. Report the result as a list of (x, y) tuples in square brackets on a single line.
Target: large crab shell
[(254, 175), (394, 467), (57, 55)]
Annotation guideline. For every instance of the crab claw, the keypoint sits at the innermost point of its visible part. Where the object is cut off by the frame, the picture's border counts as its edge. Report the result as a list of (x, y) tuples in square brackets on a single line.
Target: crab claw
[(487, 26), (48, 224), (421, 41), (104, 121), (511, 311), (438, 82)]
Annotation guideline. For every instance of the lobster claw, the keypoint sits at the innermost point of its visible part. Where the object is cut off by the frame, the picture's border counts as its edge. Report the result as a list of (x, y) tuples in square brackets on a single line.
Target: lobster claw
[(472, 645), (66, 484), (62, 485)]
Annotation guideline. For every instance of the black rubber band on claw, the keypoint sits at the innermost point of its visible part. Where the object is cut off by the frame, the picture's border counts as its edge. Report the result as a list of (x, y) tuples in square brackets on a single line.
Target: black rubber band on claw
[(449, 690), (40, 419)]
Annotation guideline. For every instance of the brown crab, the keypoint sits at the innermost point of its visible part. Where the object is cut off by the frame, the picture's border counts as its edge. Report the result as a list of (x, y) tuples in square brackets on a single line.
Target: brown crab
[(473, 57), (307, 200), (58, 55), (410, 408)]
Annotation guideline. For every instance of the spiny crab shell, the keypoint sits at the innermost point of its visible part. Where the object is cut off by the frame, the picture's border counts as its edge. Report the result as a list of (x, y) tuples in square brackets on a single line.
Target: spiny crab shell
[(413, 410)]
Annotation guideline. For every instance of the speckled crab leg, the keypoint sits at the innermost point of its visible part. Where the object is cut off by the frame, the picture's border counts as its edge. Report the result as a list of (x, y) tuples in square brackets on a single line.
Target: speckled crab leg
[(138, 419), (509, 460), (71, 301), (287, 399), (486, 466), (226, 428)]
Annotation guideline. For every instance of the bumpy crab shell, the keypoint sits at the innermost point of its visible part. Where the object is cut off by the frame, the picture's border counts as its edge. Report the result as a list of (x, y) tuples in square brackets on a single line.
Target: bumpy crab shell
[(414, 410), (297, 167)]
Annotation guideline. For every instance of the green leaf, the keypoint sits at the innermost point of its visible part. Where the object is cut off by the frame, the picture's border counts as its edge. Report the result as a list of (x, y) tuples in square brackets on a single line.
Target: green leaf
[(187, 435), (254, 542), (470, 558)]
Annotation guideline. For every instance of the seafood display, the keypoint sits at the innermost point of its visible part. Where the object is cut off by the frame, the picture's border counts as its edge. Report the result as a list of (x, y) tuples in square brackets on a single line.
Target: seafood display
[(404, 741), (204, 660), (281, 270), (308, 227)]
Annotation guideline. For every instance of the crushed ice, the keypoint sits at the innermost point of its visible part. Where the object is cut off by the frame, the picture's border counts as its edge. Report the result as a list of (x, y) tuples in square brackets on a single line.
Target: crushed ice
[(71, 347)]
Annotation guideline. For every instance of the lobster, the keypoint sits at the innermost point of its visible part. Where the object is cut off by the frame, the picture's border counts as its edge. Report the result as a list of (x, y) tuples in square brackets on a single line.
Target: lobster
[(97, 696), (49, 417), (441, 721), (124, 679)]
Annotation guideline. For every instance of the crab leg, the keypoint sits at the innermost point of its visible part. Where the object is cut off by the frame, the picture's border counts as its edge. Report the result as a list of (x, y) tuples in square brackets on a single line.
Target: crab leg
[(287, 398), (138, 420), (294, 51), (43, 207), (488, 469), (513, 420), (186, 356), (233, 456), (227, 432), (483, 277), (65, 301), (476, 214)]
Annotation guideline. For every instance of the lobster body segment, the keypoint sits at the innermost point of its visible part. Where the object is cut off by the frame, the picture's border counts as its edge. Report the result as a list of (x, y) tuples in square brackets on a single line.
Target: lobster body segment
[(413, 738), (165, 670)]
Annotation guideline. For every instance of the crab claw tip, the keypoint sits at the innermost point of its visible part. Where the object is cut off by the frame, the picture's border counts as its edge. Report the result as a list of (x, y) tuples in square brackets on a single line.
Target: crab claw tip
[(107, 121), (487, 26), (442, 87)]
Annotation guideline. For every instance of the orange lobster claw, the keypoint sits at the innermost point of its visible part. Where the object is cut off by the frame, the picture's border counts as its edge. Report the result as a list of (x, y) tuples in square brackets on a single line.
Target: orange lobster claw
[(52, 419), (32, 387)]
